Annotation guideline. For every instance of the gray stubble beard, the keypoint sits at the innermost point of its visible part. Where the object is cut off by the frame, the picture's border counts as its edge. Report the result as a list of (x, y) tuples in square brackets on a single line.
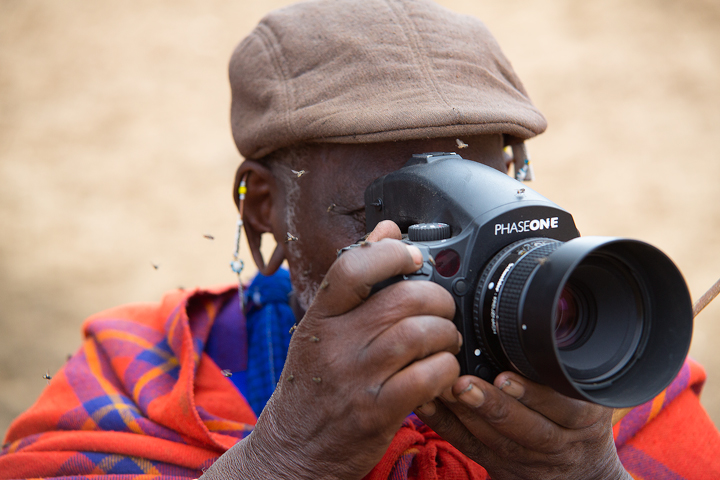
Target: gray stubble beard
[(305, 288)]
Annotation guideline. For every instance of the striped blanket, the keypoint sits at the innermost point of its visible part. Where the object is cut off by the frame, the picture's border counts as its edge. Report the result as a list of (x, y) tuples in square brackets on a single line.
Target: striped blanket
[(142, 399)]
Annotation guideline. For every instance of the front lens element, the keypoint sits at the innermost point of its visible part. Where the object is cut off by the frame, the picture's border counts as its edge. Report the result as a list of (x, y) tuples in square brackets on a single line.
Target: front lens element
[(567, 319)]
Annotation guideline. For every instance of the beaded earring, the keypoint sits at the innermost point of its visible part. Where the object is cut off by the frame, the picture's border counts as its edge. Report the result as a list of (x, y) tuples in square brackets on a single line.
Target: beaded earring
[(237, 264)]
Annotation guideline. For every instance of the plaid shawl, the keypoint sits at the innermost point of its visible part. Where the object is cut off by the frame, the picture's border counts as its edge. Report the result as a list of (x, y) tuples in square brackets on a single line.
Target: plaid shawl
[(142, 399)]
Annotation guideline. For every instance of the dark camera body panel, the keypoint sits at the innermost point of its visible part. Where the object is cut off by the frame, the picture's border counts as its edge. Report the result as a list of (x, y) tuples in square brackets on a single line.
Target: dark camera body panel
[(442, 187)]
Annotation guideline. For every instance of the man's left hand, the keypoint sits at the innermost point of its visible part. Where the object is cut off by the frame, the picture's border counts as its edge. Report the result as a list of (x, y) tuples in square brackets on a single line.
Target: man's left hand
[(519, 429)]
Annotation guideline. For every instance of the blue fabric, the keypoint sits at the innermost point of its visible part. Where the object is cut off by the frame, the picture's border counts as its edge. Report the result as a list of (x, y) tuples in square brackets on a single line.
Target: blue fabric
[(254, 346), (269, 320)]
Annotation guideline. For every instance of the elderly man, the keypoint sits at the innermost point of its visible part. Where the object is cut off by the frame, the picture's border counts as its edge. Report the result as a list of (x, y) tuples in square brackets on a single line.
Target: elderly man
[(328, 96)]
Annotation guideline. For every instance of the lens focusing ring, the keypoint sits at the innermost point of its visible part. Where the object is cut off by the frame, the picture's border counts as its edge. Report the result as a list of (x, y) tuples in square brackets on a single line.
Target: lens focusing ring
[(479, 294), (508, 310)]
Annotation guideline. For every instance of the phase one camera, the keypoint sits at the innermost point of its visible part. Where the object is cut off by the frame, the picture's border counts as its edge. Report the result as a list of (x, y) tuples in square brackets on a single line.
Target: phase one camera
[(602, 319)]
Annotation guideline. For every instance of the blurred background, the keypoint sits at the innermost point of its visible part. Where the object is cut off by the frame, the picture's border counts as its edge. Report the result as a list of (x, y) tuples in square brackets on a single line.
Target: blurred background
[(116, 154)]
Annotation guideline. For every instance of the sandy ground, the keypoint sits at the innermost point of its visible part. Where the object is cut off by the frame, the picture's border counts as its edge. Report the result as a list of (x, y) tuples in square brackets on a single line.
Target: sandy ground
[(115, 151)]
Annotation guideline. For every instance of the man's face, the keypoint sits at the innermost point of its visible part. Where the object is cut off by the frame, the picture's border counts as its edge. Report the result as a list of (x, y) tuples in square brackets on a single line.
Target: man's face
[(325, 207)]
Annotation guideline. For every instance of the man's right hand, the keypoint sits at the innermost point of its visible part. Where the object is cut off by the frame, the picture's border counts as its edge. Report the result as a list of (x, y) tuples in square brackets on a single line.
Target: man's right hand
[(356, 367)]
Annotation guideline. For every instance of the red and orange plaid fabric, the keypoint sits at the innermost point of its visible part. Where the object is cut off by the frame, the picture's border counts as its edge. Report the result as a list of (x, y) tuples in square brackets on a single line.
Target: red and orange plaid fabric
[(142, 400), (139, 399)]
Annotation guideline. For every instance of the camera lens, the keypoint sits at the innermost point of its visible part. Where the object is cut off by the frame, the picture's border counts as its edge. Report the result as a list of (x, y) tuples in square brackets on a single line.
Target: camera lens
[(601, 319), (570, 323)]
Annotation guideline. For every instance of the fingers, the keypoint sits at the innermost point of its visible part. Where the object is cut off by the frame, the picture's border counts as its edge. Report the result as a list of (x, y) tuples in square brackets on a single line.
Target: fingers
[(414, 338), (467, 429), (564, 411), (385, 229), (500, 421), (512, 441), (418, 383), (352, 276), (500, 430), (436, 415), (404, 299)]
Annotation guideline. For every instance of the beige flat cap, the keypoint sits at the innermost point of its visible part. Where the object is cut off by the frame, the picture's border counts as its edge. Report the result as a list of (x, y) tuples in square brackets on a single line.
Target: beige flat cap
[(362, 71)]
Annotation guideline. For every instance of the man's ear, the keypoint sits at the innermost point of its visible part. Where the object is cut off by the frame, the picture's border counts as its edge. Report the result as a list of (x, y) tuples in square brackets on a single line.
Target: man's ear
[(260, 211)]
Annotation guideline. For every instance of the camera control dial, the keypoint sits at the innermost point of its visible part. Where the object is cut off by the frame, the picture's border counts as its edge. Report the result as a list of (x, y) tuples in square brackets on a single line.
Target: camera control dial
[(428, 232)]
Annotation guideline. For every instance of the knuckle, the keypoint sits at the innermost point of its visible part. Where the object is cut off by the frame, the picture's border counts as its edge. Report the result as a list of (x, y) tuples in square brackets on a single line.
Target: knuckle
[(409, 336), (419, 297), (350, 267), (405, 297), (423, 381), (417, 331), (431, 335), (396, 347)]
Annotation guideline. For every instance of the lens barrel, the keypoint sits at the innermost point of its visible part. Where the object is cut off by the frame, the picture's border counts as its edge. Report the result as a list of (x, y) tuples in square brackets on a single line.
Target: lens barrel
[(596, 318)]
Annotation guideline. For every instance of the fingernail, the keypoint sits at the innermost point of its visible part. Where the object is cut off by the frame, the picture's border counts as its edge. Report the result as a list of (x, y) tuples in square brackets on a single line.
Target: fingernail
[(427, 409), (472, 396), (460, 340), (415, 254), (513, 389)]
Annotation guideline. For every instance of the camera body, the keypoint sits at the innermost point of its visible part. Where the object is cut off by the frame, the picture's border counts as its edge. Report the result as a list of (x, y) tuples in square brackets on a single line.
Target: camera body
[(597, 318)]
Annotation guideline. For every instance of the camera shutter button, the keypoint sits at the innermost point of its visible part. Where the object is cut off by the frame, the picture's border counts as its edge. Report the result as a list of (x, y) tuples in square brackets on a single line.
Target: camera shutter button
[(427, 232)]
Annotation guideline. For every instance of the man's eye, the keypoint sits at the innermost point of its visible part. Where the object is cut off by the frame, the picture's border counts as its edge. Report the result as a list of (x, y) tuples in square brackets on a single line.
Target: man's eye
[(357, 214)]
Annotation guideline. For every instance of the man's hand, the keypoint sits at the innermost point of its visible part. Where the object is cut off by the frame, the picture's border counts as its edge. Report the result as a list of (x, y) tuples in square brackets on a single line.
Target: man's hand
[(356, 367), (518, 429)]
